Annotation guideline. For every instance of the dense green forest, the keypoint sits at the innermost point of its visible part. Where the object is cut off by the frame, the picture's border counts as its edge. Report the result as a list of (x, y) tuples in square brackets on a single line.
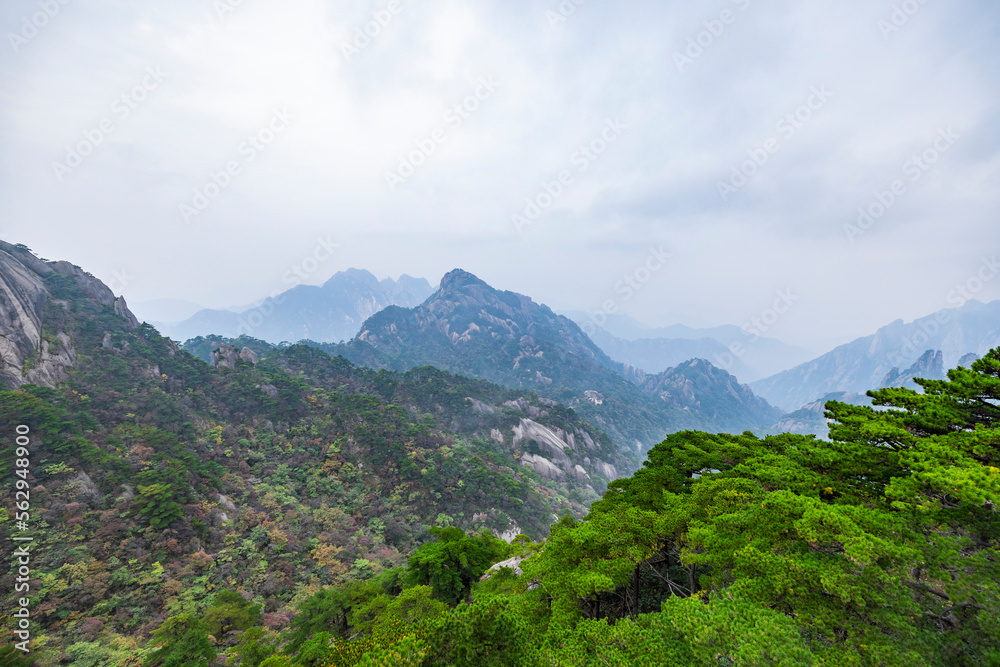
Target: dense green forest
[(158, 483), (876, 548), (302, 511)]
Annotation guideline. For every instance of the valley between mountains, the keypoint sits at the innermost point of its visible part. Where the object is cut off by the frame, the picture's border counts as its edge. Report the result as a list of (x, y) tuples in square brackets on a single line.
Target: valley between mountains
[(166, 473)]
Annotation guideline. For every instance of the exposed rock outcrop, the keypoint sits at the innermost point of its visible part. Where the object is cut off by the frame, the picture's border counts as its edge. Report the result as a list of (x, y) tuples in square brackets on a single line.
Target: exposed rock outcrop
[(227, 356), (514, 565), (22, 298), (544, 467), (27, 354), (246, 354), (929, 366)]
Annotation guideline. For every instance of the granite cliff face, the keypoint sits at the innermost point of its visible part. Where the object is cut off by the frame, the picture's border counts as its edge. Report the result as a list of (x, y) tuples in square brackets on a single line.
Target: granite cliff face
[(28, 353), (930, 366)]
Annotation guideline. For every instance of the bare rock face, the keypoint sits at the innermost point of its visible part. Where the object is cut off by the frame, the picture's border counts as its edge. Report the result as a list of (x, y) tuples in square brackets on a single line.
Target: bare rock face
[(227, 356), (22, 298), (224, 356), (25, 356), (52, 363), (88, 283), (544, 467), (268, 389), (121, 309), (929, 366)]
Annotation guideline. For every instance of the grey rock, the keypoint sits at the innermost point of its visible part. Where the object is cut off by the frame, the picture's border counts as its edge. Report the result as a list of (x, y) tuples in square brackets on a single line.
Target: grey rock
[(225, 356), (121, 309), (544, 467), (479, 406), (930, 366), (268, 389), (23, 296), (246, 354)]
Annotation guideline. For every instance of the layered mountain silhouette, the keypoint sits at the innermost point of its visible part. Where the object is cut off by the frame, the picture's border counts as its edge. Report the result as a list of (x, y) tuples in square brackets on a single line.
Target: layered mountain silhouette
[(729, 347), (869, 362), (328, 313), (469, 327)]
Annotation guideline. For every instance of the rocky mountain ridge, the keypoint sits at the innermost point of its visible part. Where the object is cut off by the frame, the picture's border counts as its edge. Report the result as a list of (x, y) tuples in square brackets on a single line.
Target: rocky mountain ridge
[(468, 327), (699, 386), (30, 353)]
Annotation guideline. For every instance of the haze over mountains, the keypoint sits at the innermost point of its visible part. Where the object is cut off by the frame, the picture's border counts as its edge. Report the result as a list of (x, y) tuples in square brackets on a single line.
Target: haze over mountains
[(729, 347), (634, 381), (405, 323), (866, 362), (330, 312), (468, 327)]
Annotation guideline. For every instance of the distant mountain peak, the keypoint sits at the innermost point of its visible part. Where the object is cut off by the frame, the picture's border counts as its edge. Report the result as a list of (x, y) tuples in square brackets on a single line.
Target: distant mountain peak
[(874, 360), (458, 278), (331, 312)]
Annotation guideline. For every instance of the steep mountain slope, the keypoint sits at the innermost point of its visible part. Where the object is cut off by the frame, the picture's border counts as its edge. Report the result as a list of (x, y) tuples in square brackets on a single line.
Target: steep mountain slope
[(471, 328), (157, 480), (33, 291), (331, 312), (536, 432), (865, 362), (698, 386), (810, 419)]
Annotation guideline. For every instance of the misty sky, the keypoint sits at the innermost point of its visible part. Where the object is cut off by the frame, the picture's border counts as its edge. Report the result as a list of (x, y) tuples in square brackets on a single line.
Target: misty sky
[(204, 149)]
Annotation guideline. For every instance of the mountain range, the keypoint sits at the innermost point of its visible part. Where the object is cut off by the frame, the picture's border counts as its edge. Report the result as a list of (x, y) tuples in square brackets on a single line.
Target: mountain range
[(162, 478), (468, 327), (867, 362), (330, 312), (656, 349)]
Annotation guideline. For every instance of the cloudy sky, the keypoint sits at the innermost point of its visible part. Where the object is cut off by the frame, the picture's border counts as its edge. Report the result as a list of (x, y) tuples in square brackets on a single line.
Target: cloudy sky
[(676, 161)]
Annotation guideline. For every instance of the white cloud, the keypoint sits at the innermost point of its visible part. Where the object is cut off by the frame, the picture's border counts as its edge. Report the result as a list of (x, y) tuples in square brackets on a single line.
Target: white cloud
[(356, 117)]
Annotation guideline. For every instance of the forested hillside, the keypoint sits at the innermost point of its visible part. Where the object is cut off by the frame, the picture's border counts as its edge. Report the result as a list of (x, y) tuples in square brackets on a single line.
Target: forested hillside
[(877, 548), (470, 328), (157, 482), (279, 507)]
